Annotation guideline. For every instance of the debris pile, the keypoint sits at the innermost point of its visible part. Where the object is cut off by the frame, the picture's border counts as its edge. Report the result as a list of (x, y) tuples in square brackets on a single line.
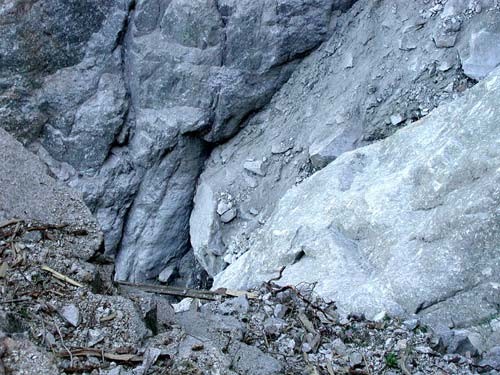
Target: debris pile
[(62, 315)]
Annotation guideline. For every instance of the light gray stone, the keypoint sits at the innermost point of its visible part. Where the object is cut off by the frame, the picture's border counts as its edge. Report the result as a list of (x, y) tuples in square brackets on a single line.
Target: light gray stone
[(71, 314), (445, 40), (29, 193), (255, 166), (166, 274), (228, 216), (405, 232), (484, 54), (397, 119)]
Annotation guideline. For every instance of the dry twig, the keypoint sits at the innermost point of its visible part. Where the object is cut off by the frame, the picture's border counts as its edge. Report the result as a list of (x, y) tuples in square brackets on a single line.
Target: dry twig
[(62, 277)]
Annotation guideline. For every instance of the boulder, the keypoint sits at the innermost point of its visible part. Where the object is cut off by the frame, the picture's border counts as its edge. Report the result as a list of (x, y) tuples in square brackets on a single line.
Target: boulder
[(406, 225)]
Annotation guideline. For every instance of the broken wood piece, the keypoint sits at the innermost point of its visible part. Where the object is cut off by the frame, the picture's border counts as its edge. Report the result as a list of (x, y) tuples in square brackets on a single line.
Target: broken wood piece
[(308, 325), (186, 292), (6, 223), (236, 293), (16, 300), (62, 277), (172, 291), (83, 352), (108, 318)]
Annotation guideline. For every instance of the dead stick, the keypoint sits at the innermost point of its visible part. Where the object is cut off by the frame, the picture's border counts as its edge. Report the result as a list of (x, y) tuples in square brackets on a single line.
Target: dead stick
[(16, 300), (173, 291), (9, 222), (60, 276), (64, 345)]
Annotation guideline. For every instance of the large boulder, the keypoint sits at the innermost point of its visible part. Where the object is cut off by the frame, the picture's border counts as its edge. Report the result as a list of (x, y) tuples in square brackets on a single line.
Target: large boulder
[(410, 224), (380, 71)]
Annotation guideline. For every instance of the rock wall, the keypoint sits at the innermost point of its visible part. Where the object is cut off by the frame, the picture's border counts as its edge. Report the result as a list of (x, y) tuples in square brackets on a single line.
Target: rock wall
[(122, 99)]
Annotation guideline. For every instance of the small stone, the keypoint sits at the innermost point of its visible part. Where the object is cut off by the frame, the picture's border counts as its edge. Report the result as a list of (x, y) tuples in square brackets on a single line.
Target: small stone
[(254, 211), (401, 345), (423, 350), (32, 236), (381, 316), (237, 305), (339, 347), (228, 216), (411, 324), (397, 119), (407, 43), (223, 207), (348, 61), (452, 25), (372, 89), (280, 148), (273, 326), (306, 348), (115, 371), (50, 340), (444, 66), (445, 40), (255, 166), (166, 274), (280, 311), (94, 337), (71, 314), (184, 305), (250, 181), (355, 359)]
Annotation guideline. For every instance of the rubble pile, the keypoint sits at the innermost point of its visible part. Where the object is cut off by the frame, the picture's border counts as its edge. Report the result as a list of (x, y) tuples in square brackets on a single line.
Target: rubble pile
[(62, 315)]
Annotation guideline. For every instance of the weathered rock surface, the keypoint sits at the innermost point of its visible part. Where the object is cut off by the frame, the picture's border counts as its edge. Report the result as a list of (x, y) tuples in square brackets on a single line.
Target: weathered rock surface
[(407, 225), (358, 87), (28, 193), (122, 107)]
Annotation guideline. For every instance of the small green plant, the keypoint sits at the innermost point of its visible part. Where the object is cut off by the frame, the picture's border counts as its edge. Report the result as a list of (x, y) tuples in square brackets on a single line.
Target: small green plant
[(391, 360)]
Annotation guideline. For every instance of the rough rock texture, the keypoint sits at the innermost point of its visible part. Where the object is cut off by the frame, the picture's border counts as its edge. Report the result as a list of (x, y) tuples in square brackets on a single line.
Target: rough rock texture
[(28, 193), (121, 99), (380, 71), (407, 225)]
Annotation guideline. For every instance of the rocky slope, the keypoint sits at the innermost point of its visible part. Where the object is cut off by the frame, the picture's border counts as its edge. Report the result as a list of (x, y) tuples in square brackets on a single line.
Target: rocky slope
[(381, 70), (408, 225), (347, 140), (60, 315)]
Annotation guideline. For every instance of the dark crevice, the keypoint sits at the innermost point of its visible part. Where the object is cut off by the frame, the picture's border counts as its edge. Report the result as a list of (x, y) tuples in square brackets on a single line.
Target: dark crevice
[(301, 254), (424, 305)]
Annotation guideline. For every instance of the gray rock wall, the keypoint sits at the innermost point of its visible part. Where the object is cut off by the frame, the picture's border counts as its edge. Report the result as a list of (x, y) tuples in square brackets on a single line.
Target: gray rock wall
[(122, 98)]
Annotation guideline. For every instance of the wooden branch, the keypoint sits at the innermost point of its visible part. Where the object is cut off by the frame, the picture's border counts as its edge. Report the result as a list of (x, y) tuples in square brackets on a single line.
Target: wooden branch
[(6, 223), (83, 352), (186, 292), (62, 277)]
